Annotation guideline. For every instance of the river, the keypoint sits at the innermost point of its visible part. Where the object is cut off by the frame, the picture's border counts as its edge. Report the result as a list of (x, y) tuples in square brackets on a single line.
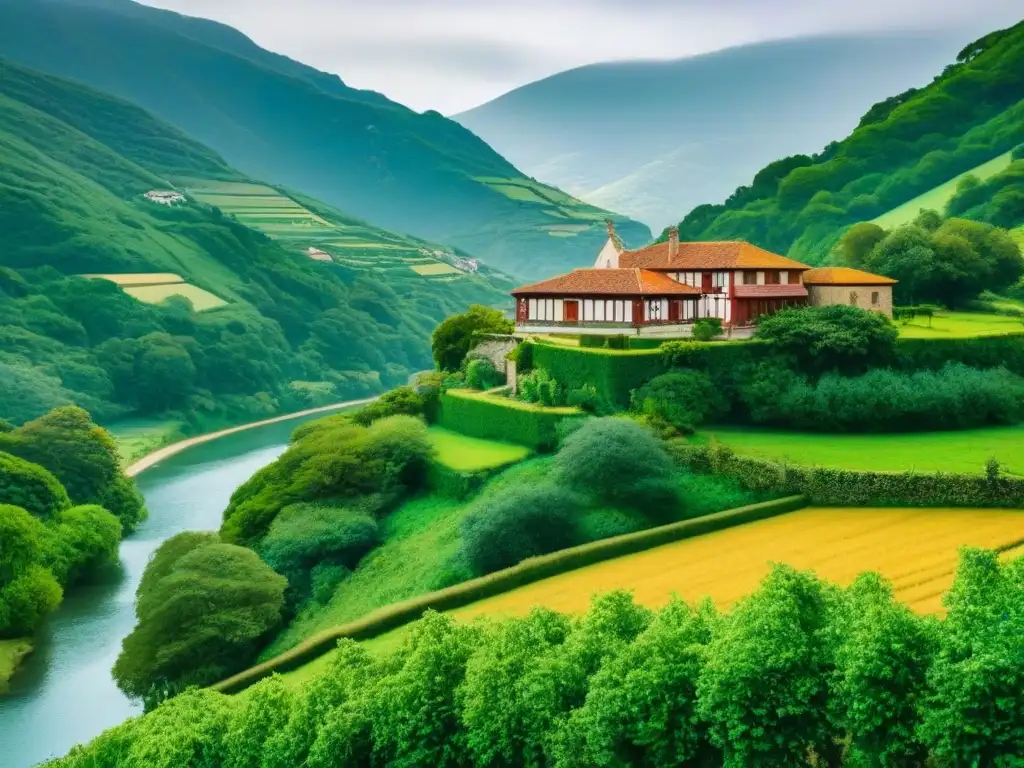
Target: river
[(64, 694)]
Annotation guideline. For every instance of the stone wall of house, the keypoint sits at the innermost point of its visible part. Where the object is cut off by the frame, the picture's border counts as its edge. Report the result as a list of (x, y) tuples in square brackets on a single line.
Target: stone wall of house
[(495, 348), (853, 295)]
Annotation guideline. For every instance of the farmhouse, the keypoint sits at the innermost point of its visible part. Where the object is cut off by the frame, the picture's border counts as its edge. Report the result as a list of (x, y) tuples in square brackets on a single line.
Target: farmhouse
[(164, 197), (662, 289)]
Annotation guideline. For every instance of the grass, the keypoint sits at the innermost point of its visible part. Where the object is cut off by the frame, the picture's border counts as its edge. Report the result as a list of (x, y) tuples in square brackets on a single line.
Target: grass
[(437, 268), (137, 437), (472, 454), (12, 653), (959, 325), (140, 278), (958, 451), (938, 197), (154, 294)]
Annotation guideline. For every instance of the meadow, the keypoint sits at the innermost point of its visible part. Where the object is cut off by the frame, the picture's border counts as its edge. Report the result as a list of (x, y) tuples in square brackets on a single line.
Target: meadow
[(938, 197), (952, 325), (471, 454), (964, 451), (137, 437), (154, 294)]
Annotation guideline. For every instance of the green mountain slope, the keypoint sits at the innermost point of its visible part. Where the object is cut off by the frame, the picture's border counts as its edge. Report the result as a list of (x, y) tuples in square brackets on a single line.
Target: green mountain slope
[(654, 138), (74, 166), (280, 121), (902, 148)]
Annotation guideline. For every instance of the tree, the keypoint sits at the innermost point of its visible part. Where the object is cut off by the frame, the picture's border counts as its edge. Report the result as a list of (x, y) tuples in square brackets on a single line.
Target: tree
[(707, 328), (30, 487), (400, 401), (203, 612), (455, 337), (836, 337), (164, 373), (679, 401), (858, 241), (86, 540), (264, 711), (906, 255), (28, 590)]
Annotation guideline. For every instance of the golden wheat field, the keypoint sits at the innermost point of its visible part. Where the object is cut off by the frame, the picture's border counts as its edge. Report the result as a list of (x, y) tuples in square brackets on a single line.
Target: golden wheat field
[(916, 549)]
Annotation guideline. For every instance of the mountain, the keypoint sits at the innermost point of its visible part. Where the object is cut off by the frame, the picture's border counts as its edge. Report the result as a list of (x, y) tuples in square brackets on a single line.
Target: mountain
[(903, 146), (278, 120), (657, 138), (281, 329)]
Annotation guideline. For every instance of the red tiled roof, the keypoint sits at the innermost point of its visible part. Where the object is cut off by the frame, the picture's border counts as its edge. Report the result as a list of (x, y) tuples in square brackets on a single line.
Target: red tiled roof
[(844, 276), (609, 282), (770, 291), (710, 255)]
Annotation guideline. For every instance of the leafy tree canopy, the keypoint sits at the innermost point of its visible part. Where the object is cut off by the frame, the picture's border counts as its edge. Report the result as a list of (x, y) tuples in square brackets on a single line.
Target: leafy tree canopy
[(455, 337)]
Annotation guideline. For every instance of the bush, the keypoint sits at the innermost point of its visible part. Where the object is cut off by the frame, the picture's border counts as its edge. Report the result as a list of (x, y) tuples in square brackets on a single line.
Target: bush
[(517, 524), (1005, 351), (455, 337), (306, 536), (28, 590), (707, 328), (481, 374), (204, 609), (955, 397), (403, 401), (30, 487), (679, 402), (86, 539), (496, 418), (614, 374), (539, 387), (618, 462)]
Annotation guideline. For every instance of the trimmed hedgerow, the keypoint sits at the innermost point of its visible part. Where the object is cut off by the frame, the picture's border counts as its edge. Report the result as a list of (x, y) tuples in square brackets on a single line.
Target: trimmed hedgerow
[(527, 572), (1006, 351), (852, 488), (496, 418)]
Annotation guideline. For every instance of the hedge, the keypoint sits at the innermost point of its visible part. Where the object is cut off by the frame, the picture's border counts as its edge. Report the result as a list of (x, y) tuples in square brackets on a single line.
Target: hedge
[(977, 352), (852, 488), (496, 418), (456, 484), (527, 572), (616, 374)]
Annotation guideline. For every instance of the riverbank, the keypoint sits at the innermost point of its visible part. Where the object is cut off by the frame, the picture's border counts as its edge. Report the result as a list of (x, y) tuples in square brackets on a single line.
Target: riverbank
[(150, 459), (12, 653)]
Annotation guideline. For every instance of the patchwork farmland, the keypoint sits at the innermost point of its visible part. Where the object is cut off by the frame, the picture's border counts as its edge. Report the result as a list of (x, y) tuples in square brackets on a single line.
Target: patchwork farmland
[(155, 287), (348, 243), (562, 208)]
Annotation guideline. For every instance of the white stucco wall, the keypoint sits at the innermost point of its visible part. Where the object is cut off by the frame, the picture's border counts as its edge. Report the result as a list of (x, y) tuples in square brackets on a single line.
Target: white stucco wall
[(608, 258)]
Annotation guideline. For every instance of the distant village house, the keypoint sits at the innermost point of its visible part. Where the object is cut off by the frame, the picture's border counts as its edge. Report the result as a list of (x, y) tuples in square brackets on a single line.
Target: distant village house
[(317, 255), (165, 197), (661, 290)]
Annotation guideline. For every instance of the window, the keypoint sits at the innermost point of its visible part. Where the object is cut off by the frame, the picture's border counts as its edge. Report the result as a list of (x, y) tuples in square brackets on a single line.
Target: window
[(874, 298), (654, 310), (750, 278), (533, 310), (771, 278), (853, 298)]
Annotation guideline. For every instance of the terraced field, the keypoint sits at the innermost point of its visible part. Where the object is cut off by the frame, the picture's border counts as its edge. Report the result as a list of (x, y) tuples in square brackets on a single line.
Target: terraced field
[(472, 454), (294, 225), (564, 206), (155, 287)]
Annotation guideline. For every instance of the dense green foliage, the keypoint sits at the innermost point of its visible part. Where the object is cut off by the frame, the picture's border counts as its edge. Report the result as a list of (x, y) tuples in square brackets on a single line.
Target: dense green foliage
[(293, 125), (882, 400), (203, 610), (679, 402), (998, 200), (295, 333), (945, 262), (83, 457), (855, 488), (453, 339), (403, 401), (800, 667), (502, 419), (332, 459), (31, 487), (902, 148)]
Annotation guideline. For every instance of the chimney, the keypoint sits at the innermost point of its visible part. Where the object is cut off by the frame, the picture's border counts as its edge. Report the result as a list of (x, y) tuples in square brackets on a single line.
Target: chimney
[(673, 242), (611, 228)]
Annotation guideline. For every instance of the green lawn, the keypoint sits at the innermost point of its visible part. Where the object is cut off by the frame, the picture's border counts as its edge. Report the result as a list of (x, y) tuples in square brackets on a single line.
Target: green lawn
[(11, 654), (473, 454), (937, 198), (137, 437), (949, 325), (959, 451)]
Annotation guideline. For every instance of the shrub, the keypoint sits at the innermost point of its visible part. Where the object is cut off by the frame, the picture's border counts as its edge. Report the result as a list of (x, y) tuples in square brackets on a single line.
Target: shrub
[(836, 337), (539, 387), (455, 337), (517, 524), (203, 609), (618, 462), (590, 341), (588, 399), (481, 374), (85, 540), (679, 402), (26, 600), (30, 487), (403, 401), (707, 328), (502, 419), (305, 536)]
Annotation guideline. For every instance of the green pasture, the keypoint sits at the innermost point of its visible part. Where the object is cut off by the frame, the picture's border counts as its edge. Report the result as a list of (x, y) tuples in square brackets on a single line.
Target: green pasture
[(436, 268), (952, 325), (938, 197), (227, 202), (154, 294), (472, 454), (515, 192), (963, 451), (137, 437), (213, 187)]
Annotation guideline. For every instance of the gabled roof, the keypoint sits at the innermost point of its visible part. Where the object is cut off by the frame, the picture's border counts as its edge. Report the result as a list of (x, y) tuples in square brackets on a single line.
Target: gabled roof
[(709, 255), (844, 276), (609, 282)]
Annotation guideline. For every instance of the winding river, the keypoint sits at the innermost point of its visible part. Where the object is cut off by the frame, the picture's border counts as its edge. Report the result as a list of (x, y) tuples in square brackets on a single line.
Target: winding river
[(64, 693)]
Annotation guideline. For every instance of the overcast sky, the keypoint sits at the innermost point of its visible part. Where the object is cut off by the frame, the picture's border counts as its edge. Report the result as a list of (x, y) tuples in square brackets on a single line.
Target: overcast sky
[(451, 55)]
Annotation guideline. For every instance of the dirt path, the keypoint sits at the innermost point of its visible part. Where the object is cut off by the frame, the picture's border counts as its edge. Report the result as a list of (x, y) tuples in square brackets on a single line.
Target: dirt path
[(174, 448)]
